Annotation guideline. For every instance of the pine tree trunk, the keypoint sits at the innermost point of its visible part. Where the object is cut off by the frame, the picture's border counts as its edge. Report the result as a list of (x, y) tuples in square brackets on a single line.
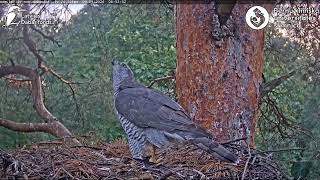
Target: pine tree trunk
[(218, 77)]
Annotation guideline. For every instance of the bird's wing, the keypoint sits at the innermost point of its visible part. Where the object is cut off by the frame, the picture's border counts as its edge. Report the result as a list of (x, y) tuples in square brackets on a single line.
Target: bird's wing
[(153, 110), (148, 108)]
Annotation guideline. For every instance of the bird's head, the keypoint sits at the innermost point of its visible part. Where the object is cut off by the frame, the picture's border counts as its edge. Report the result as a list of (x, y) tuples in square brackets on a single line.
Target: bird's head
[(120, 73), (14, 9)]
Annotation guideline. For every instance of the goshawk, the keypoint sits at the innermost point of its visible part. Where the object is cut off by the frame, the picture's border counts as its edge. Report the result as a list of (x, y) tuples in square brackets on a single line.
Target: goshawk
[(152, 118)]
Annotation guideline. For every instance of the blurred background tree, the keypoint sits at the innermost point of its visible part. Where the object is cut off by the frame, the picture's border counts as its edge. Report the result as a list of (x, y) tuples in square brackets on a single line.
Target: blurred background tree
[(142, 35)]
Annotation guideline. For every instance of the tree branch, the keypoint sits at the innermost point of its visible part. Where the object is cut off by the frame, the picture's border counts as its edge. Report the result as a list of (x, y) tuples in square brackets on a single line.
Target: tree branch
[(19, 80), (52, 125), (56, 128), (60, 77), (160, 79), (36, 89), (281, 150), (234, 140), (269, 86), (51, 38), (32, 46), (281, 123), (25, 127), (69, 83), (46, 51)]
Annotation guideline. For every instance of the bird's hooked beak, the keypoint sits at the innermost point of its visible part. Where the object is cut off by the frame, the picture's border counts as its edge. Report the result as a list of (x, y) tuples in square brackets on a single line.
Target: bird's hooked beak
[(13, 8)]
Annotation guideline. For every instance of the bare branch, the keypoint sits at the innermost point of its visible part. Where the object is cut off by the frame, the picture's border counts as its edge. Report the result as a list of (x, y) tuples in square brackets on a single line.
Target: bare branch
[(247, 163), (160, 79), (269, 86), (51, 38), (281, 123), (281, 150), (46, 51), (69, 83), (36, 89), (32, 46), (56, 128), (14, 39), (25, 127), (52, 125), (19, 80), (60, 77), (234, 140)]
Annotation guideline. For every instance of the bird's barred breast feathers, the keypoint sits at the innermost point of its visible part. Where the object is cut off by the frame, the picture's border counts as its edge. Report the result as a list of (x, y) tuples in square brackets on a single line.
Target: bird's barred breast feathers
[(136, 137)]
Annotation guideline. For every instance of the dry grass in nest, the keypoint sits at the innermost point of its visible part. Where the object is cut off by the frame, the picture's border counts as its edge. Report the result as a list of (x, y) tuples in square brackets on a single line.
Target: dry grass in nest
[(55, 160)]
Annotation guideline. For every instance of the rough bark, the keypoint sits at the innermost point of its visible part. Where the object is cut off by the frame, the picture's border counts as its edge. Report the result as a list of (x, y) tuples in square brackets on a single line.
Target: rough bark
[(52, 125), (218, 80)]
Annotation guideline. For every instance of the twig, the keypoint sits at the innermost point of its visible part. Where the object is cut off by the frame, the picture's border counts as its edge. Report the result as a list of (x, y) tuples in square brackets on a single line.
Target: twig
[(69, 83), (281, 150), (51, 38), (235, 140), (12, 62), (56, 174), (269, 86), (166, 175), (46, 51), (41, 143), (60, 77), (68, 173), (247, 162), (14, 38), (160, 79), (230, 172), (83, 146), (283, 120), (14, 79), (200, 173)]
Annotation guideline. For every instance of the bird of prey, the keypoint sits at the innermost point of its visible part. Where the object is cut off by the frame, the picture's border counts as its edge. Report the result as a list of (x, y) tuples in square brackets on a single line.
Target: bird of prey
[(151, 118)]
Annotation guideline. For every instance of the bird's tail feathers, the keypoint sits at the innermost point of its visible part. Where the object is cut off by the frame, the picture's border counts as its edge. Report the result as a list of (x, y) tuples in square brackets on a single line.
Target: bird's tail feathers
[(206, 144), (216, 149)]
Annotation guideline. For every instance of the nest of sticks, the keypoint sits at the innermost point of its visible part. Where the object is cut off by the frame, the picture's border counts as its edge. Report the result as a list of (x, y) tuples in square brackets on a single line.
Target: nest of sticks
[(56, 160)]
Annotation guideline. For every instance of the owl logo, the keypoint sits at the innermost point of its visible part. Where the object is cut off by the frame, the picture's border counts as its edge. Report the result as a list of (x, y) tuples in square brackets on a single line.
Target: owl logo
[(10, 17), (257, 17)]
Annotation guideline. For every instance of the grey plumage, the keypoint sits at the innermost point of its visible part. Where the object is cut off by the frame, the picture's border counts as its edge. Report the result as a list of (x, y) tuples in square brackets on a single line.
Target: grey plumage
[(148, 116)]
